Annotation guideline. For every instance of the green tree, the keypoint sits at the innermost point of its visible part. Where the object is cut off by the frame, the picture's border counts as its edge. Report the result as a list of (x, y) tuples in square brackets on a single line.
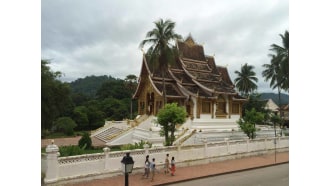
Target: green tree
[(161, 52), (89, 85), (273, 73), (248, 128), (246, 80), (282, 55), (254, 101), (96, 116), (55, 96), (248, 122), (85, 141), (278, 69), (66, 125), (115, 109), (276, 120), (113, 88), (80, 117), (131, 84), (168, 118)]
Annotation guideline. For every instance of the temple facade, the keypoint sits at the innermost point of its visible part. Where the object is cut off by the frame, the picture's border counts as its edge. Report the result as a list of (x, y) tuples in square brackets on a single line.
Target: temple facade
[(194, 81)]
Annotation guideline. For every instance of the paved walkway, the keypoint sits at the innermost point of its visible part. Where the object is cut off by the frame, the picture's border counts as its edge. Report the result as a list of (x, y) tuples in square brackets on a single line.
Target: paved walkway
[(192, 172), (70, 141)]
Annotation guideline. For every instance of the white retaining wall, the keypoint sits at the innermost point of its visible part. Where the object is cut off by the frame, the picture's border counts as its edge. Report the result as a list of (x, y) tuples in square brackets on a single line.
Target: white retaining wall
[(66, 168)]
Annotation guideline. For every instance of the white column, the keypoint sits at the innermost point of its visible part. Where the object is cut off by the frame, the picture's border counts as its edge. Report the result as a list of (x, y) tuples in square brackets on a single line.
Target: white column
[(178, 153), (146, 149), (226, 140), (52, 163), (195, 107), (106, 151), (205, 147)]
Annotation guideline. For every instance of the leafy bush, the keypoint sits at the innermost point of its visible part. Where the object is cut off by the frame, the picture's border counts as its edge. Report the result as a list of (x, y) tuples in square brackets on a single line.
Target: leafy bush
[(71, 150), (135, 146), (248, 128), (85, 140)]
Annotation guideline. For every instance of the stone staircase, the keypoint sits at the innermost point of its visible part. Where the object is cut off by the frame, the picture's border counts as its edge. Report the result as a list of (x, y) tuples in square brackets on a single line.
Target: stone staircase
[(114, 129), (215, 124), (108, 134)]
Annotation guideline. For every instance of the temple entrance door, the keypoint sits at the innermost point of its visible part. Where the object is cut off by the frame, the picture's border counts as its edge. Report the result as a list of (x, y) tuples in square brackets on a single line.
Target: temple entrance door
[(150, 103)]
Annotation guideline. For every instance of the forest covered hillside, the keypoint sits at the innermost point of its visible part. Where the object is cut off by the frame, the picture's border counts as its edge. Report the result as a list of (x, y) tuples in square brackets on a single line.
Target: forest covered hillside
[(274, 97)]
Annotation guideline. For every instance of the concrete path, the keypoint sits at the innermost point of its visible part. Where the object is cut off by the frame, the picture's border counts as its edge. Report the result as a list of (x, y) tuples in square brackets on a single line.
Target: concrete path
[(70, 141), (192, 172)]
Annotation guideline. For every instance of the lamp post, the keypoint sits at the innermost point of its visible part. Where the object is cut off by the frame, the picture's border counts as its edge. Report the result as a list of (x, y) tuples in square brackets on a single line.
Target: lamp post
[(275, 140), (127, 166)]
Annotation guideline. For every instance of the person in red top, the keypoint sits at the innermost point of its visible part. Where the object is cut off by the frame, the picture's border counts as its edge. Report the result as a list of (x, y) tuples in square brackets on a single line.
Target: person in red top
[(172, 166)]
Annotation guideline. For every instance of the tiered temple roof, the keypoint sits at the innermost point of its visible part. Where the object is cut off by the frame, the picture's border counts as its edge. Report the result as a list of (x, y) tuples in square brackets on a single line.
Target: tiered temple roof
[(193, 73)]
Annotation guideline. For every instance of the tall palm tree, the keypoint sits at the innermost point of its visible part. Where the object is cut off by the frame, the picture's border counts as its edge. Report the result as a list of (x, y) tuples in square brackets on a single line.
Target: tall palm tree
[(278, 69), (161, 52), (246, 80), (130, 82), (274, 74), (282, 52)]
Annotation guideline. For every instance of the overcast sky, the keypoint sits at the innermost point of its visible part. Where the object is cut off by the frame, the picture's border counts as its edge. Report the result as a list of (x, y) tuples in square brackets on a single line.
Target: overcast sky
[(101, 37)]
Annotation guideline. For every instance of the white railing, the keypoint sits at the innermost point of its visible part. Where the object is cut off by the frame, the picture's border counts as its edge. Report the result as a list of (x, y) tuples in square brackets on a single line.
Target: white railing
[(66, 168)]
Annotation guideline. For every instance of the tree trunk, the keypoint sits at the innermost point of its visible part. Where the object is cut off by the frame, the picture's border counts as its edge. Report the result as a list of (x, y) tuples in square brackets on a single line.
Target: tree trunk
[(279, 101), (172, 133), (164, 90), (166, 136)]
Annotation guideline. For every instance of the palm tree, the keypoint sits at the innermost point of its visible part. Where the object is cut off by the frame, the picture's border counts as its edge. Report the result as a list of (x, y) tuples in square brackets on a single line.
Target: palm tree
[(246, 80), (278, 69), (274, 74), (130, 82), (161, 52), (282, 52)]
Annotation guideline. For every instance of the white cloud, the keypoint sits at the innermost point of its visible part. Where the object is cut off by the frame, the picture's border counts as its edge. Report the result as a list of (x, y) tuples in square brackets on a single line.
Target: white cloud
[(102, 37)]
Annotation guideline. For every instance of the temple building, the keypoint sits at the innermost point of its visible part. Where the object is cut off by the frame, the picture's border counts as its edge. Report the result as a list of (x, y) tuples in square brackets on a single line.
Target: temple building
[(193, 81)]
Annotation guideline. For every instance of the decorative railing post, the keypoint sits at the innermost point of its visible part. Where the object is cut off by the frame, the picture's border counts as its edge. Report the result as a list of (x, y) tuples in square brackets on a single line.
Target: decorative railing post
[(52, 163), (146, 149), (106, 151), (226, 140), (179, 152), (205, 147), (279, 142), (247, 145)]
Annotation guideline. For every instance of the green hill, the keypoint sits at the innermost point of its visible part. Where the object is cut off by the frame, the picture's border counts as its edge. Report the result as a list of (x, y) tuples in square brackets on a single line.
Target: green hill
[(274, 97), (89, 84)]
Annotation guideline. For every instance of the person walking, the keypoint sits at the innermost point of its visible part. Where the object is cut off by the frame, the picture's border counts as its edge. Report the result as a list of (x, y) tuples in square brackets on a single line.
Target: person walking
[(172, 166), (146, 167), (167, 164), (152, 169)]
